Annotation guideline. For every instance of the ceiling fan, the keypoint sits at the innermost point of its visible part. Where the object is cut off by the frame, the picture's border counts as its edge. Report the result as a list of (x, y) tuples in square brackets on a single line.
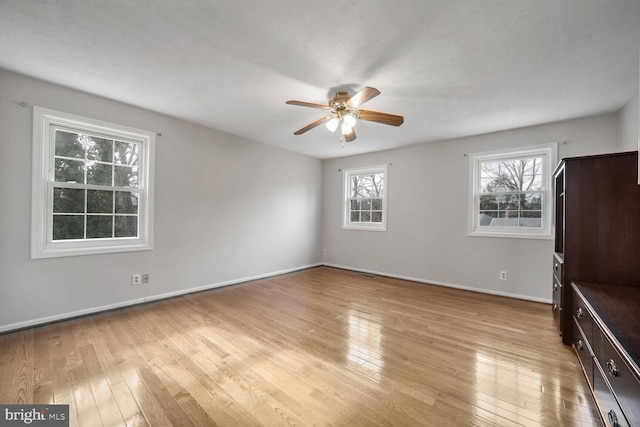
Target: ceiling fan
[(343, 111)]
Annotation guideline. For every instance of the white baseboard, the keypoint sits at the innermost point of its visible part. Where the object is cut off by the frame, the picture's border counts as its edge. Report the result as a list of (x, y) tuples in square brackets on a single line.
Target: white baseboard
[(448, 285), (94, 310)]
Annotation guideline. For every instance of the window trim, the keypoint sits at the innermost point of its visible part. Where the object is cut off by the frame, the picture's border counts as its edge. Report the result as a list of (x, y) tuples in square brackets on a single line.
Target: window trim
[(549, 151), (42, 245), (367, 226)]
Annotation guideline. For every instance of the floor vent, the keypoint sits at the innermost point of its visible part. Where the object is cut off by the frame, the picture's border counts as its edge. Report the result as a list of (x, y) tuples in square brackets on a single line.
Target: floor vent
[(367, 274)]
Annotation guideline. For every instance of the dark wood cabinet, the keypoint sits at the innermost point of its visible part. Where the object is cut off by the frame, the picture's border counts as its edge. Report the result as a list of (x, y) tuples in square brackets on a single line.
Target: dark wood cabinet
[(596, 277), (607, 340), (597, 227)]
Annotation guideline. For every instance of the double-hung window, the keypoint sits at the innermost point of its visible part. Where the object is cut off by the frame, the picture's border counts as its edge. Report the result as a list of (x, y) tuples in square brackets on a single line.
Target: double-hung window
[(365, 198), (92, 186), (510, 192)]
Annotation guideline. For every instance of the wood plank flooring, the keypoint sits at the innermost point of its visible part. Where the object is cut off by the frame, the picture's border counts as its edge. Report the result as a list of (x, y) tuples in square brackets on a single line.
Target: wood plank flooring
[(317, 347)]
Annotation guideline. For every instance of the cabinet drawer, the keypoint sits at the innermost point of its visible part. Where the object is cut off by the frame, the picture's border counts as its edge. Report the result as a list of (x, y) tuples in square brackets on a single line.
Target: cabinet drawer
[(582, 316), (557, 269), (583, 350), (556, 307), (556, 310), (609, 408), (556, 295), (624, 384)]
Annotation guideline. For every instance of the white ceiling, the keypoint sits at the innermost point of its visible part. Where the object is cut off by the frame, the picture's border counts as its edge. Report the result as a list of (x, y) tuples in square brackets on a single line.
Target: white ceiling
[(452, 68)]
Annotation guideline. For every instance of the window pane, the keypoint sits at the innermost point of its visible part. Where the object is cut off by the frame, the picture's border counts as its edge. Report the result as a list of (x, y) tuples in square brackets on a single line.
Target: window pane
[(68, 145), (99, 174), (376, 216), (355, 205), (69, 171), (369, 185), (532, 201), (365, 217), (486, 217), (509, 202), (489, 176), (355, 216), (126, 176), (99, 226), (531, 219), (126, 202), (375, 185), (99, 201), (524, 174), (488, 203), (485, 185), (365, 205), (68, 227), (68, 200), (126, 226), (100, 149), (376, 204), (126, 154)]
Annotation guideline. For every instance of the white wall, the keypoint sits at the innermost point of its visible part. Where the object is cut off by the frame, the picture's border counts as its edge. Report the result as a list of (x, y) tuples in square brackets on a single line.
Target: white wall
[(226, 209), (629, 121), (426, 237)]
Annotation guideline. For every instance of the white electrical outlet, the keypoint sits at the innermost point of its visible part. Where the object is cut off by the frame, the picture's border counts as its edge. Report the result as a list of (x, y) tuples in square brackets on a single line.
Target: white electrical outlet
[(136, 279), (503, 275)]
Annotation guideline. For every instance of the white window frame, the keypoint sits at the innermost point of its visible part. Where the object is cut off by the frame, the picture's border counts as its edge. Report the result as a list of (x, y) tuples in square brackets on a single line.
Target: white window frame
[(42, 243), (346, 217), (549, 152)]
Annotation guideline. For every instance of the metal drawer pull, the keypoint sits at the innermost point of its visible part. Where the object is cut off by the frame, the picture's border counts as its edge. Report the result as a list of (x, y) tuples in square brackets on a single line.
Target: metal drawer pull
[(580, 313), (555, 287), (555, 267), (613, 418), (580, 345), (612, 368)]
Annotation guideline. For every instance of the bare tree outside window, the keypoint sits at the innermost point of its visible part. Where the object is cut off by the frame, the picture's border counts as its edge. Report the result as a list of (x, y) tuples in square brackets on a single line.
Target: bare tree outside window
[(365, 195), (511, 192), (370, 185), (367, 191)]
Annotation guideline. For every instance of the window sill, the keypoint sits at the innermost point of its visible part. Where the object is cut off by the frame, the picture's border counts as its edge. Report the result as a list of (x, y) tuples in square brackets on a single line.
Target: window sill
[(62, 250), (510, 235), (366, 227)]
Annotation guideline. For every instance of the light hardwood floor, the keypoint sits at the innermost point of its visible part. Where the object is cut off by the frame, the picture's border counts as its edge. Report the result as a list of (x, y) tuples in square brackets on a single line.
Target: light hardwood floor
[(317, 347)]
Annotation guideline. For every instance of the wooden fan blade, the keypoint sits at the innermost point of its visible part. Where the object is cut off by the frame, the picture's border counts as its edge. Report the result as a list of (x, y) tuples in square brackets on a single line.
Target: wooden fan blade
[(309, 104), (311, 125), (350, 136), (363, 96), (380, 117)]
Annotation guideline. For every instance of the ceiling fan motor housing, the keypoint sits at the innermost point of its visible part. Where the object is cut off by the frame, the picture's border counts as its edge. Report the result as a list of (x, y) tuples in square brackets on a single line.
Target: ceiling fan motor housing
[(339, 101)]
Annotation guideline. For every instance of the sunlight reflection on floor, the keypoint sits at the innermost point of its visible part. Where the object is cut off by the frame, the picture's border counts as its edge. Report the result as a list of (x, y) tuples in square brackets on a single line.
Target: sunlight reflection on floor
[(365, 343)]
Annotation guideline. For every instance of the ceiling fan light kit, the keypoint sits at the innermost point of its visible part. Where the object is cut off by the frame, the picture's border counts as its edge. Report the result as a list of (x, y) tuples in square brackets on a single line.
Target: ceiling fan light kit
[(344, 112)]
